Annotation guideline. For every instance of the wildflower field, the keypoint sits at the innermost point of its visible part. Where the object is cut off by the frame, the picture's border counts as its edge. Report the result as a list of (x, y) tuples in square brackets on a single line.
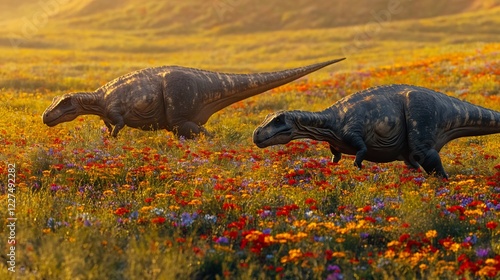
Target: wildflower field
[(150, 206), (78, 204)]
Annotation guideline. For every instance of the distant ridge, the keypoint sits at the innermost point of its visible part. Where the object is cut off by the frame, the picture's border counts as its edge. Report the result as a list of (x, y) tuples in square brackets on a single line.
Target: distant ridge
[(230, 16)]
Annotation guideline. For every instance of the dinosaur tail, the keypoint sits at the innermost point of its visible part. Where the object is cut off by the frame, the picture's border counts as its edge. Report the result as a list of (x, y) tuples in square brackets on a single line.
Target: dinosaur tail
[(231, 88), (473, 120)]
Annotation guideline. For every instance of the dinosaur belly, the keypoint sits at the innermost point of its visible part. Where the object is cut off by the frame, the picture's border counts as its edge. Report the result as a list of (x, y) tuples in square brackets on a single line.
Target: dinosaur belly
[(146, 113), (383, 155)]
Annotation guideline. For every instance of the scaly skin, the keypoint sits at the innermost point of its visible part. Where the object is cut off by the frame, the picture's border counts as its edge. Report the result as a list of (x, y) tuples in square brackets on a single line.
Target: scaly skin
[(383, 124), (174, 98)]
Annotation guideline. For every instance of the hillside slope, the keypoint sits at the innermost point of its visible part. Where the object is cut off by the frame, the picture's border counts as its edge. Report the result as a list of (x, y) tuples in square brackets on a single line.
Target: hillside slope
[(226, 16)]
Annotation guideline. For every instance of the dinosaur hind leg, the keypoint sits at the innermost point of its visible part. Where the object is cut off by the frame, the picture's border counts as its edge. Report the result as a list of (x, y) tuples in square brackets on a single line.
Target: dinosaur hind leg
[(423, 152), (421, 124), (190, 130), (431, 162)]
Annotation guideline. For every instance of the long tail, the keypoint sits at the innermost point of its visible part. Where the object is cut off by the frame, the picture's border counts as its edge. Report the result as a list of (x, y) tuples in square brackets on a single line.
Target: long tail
[(223, 89), (466, 119)]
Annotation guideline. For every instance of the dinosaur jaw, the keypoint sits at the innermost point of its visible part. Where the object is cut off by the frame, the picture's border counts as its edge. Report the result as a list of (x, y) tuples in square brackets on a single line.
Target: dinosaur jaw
[(52, 119), (281, 137)]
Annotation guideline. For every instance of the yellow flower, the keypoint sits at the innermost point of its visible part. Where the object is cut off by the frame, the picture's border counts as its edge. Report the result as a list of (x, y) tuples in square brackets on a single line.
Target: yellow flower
[(283, 237), (160, 195), (455, 247), (487, 270), (195, 202), (299, 223), (312, 226), (340, 240), (491, 262), (431, 234), (299, 236), (253, 236), (173, 207), (46, 173), (393, 243), (269, 239), (338, 255), (293, 255), (108, 193), (423, 266), (389, 254), (404, 254), (146, 209)]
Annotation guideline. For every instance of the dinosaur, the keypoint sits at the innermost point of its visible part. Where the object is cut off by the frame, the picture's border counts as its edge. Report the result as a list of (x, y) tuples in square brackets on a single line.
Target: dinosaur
[(384, 124), (175, 98)]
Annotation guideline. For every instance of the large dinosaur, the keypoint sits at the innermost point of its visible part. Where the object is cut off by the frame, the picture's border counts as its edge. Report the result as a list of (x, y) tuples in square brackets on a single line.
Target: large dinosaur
[(383, 124), (175, 98)]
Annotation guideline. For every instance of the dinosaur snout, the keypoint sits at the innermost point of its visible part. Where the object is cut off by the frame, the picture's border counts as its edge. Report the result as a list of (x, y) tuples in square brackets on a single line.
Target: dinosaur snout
[(256, 134)]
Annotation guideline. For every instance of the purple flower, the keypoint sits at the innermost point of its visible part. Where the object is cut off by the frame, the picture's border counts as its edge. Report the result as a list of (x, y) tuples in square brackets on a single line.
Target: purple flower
[(335, 275), (333, 268), (265, 214), (187, 219), (482, 252), (222, 240), (472, 239)]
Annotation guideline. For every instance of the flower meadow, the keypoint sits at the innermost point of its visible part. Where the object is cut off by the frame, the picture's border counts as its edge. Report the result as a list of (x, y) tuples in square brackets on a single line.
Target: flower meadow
[(150, 206)]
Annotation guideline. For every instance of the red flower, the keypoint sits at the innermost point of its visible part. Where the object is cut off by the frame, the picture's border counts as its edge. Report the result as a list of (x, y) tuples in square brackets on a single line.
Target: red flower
[(328, 254), (121, 211), (370, 219), (404, 237), (148, 200), (491, 225), (367, 208), (310, 201), (158, 220)]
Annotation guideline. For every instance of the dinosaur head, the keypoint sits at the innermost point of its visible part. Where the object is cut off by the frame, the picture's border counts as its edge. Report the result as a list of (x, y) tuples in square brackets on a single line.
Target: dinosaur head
[(277, 128), (63, 109)]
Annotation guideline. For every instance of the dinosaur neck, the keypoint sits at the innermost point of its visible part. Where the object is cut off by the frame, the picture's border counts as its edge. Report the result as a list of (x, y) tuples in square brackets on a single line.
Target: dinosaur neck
[(90, 103), (315, 125)]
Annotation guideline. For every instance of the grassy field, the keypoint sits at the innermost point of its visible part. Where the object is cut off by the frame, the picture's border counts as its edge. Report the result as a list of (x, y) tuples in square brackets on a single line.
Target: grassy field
[(149, 206)]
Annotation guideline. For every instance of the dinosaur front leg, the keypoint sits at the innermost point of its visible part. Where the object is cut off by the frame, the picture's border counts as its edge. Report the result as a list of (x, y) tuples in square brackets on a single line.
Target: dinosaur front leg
[(360, 147), (109, 126), (117, 119), (336, 154)]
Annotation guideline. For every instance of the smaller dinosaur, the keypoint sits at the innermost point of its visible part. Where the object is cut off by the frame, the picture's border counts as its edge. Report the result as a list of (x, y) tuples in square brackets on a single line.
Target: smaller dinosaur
[(383, 124), (174, 98)]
